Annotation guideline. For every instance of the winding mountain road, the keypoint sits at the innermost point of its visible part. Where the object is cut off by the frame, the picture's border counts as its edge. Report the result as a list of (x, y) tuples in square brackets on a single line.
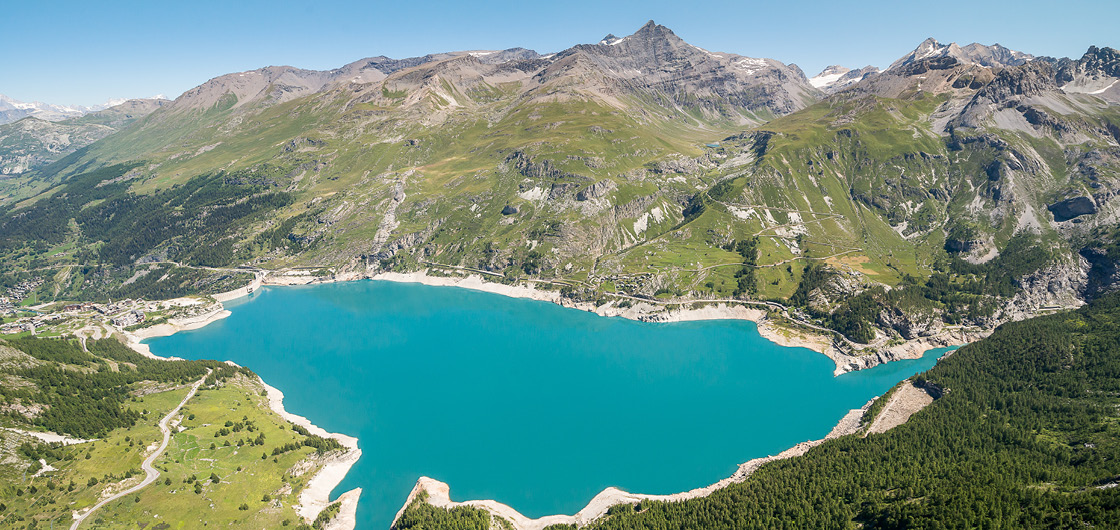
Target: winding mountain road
[(147, 464)]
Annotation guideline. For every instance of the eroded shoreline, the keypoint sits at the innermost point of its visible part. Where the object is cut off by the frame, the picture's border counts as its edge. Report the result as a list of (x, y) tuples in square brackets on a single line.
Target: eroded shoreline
[(438, 493), (643, 311)]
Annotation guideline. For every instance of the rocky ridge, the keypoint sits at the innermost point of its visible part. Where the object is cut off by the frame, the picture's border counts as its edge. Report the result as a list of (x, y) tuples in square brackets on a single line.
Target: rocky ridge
[(979, 54)]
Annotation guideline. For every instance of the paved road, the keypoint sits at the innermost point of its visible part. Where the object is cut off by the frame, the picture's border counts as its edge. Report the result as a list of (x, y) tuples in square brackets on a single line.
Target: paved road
[(147, 464)]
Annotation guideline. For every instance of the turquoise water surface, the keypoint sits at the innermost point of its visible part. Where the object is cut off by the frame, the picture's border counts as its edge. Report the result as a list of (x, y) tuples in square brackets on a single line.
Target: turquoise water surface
[(525, 402)]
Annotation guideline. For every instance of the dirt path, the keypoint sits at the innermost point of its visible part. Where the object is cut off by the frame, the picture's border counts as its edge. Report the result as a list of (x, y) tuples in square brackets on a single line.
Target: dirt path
[(49, 437), (147, 464)]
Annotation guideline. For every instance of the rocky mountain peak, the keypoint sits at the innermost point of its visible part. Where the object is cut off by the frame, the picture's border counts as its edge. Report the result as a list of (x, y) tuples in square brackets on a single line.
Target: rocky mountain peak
[(928, 48), (653, 59), (1096, 73), (1009, 88), (610, 39), (506, 56), (994, 55), (651, 48), (650, 36), (1103, 60), (975, 53), (834, 69)]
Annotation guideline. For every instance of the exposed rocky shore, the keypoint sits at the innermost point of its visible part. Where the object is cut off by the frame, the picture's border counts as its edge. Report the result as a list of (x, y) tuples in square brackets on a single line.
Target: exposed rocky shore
[(438, 493)]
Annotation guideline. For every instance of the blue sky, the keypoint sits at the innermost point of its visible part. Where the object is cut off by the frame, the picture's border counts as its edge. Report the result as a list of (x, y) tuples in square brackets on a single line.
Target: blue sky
[(85, 52)]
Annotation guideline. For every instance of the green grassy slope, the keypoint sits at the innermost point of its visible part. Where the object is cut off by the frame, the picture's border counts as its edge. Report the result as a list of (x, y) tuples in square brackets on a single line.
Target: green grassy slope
[(116, 397)]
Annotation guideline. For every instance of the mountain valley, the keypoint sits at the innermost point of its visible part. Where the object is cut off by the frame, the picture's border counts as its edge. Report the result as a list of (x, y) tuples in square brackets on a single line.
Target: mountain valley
[(869, 214), (929, 194)]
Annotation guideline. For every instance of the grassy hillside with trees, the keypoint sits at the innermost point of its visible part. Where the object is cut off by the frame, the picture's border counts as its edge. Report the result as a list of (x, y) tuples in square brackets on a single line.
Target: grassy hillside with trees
[(231, 461)]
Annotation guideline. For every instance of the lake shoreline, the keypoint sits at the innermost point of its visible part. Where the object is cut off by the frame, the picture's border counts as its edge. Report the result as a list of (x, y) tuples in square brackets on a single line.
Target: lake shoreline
[(647, 311), (438, 493), (315, 497)]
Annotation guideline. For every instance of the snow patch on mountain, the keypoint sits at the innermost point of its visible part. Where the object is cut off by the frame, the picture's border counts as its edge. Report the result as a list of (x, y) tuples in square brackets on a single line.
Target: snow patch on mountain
[(751, 65), (611, 40), (828, 76)]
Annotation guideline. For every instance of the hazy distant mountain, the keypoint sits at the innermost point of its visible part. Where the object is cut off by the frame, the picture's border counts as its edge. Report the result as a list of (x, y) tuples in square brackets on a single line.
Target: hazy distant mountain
[(12, 110), (32, 142)]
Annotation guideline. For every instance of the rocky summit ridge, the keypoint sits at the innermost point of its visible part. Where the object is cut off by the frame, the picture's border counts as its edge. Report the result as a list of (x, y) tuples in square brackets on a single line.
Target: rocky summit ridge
[(989, 56), (651, 61)]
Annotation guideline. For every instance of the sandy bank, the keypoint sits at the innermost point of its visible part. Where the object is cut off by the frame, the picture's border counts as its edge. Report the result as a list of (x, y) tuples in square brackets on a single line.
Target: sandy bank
[(171, 327), (474, 282), (907, 400), (347, 517), (439, 492), (646, 311), (316, 496)]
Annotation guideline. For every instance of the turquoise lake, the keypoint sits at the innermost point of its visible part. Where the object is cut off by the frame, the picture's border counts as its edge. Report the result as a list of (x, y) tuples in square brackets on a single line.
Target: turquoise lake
[(525, 402)]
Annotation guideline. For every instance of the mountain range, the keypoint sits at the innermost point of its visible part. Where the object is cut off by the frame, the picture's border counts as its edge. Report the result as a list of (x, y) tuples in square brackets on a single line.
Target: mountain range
[(871, 214), (12, 110), (960, 186)]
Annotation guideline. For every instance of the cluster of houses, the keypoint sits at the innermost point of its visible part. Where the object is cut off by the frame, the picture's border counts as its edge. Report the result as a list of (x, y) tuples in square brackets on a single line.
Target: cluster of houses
[(9, 303), (29, 324), (22, 289), (17, 327), (131, 318), (121, 314)]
